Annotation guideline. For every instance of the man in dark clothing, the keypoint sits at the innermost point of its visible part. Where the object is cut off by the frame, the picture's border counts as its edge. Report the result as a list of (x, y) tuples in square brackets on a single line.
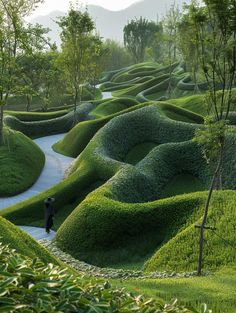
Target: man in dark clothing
[(49, 213)]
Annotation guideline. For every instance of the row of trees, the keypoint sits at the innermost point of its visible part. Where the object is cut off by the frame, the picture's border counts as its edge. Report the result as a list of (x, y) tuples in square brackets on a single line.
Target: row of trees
[(31, 66)]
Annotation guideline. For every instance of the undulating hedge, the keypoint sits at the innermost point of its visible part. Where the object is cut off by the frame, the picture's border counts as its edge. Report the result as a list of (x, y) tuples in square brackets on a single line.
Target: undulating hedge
[(21, 163), (181, 252), (36, 116), (51, 126), (23, 243)]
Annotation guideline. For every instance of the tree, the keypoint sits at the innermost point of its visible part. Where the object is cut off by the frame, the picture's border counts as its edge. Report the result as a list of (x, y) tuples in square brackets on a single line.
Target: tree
[(98, 58), (170, 25), (14, 39), (216, 32), (117, 56), (29, 64), (76, 36), (156, 51), (188, 43), (138, 35)]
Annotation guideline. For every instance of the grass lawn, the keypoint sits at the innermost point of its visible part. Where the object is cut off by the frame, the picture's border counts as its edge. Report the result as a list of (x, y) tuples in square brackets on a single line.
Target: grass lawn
[(217, 291)]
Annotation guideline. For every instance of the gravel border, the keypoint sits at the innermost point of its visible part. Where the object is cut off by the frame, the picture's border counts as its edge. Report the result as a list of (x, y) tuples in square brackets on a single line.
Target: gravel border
[(95, 271)]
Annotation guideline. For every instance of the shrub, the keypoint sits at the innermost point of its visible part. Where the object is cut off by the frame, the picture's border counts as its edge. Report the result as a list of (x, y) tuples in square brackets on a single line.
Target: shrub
[(21, 163), (31, 286), (48, 127), (23, 243)]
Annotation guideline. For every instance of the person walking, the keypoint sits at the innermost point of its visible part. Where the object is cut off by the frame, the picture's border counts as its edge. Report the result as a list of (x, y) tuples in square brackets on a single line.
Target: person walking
[(49, 213)]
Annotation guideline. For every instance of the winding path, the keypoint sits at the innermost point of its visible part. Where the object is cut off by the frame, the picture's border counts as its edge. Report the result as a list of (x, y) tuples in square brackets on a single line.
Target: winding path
[(52, 174)]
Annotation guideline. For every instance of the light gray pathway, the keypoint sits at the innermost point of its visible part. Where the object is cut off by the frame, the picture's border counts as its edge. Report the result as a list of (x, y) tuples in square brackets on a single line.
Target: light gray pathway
[(52, 173), (107, 95), (38, 233)]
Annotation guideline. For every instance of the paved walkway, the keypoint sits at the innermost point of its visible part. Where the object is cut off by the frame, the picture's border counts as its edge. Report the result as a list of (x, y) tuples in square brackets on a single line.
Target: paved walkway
[(51, 175), (107, 95), (38, 233)]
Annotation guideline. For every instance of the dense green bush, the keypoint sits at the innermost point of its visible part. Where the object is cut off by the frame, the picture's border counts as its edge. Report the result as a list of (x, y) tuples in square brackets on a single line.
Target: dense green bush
[(94, 225), (48, 127), (103, 229), (134, 184), (187, 84), (31, 286), (77, 139), (113, 106), (21, 163), (23, 243), (36, 116)]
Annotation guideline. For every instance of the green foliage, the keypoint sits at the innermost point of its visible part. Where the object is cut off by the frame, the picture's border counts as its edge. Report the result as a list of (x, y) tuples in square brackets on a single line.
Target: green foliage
[(138, 35), (21, 163), (183, 183), (24, 244), (112, 106), (215, 290), (36, 116), (81, 51), (130, 185), (180, 253), (30, 285), (45, 127), (16, 38), (211, 138), (118, 57)]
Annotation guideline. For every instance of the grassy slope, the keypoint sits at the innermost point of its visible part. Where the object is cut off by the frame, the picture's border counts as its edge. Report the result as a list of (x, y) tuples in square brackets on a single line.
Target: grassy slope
[(217, 290), (78, 138), (21, 162), (36, 116), (23, 243), (180, 253)]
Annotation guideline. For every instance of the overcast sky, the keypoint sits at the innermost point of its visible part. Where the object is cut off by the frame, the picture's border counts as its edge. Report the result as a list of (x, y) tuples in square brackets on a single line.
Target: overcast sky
[(63, 5)]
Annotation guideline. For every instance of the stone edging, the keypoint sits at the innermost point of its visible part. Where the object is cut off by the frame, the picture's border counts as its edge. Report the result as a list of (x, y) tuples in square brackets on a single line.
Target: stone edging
[(95, 271)]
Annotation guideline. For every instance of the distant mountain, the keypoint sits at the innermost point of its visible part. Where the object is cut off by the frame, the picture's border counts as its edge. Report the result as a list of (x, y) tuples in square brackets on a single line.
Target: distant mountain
[(110, 24)]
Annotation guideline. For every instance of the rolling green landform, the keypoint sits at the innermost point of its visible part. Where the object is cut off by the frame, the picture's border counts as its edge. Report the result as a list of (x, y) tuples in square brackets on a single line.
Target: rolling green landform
[(135, 190), (21, 162)]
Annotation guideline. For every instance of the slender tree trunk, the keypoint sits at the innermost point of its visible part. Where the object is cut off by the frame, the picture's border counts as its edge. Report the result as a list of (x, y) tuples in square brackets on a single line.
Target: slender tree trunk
[(196, 88), (1, 124), (77, 102), (204, 220), (28, 98)]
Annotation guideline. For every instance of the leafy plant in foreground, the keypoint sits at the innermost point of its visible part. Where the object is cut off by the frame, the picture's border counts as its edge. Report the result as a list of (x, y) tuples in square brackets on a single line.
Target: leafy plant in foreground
[(31, 286)]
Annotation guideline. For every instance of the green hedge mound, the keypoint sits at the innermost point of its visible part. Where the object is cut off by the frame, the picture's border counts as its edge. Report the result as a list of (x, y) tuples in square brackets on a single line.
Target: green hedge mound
[(21, 163), (40, 128), (181, 252), (101, 225), (35, 116), (24, 244)]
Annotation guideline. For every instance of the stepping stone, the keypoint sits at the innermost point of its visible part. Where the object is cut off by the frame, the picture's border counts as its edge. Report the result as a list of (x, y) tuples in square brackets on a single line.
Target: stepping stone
[(38, 233)]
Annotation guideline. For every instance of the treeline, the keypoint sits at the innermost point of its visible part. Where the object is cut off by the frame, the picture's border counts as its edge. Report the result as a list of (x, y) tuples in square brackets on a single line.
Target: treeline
[(34, 68)]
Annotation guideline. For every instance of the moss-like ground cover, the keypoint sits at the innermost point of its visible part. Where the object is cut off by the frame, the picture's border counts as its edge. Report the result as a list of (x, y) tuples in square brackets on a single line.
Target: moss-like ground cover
[(128, 195), (23, 243), (21, 162)]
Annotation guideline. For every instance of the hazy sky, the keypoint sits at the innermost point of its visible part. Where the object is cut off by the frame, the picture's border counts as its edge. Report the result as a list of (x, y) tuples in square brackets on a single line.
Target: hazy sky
[(62, 5)]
